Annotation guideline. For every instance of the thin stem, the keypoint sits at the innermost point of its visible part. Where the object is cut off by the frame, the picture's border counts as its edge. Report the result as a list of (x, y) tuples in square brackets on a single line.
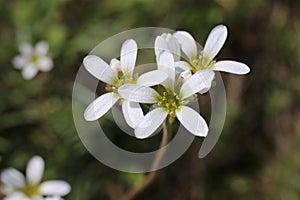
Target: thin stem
[(152, 175)]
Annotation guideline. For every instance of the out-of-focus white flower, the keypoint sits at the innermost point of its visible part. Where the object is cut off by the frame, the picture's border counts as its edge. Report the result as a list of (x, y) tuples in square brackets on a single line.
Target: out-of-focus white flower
[(18, 187), (33, 59), (115, 75), (170, 100), (53, 198)]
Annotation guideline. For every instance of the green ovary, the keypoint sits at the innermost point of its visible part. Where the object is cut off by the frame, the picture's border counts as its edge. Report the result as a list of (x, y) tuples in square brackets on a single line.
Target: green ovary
[(170, 101), (30, 190)]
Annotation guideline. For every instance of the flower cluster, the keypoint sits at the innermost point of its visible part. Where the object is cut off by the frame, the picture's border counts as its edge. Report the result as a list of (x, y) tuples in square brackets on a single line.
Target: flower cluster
[(169, 89), (17, 187)]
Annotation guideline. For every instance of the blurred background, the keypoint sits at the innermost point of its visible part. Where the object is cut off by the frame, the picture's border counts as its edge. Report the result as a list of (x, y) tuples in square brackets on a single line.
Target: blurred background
[(258, 153)]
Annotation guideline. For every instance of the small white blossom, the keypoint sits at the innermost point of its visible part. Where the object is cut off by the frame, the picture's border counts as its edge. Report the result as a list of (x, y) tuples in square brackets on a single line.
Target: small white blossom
[(204, 59), (33, 59), (18, 187), (118, 73), (170, 100)]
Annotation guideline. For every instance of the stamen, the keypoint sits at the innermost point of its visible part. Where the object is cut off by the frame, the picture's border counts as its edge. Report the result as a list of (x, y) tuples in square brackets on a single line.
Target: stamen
[(121, 80), (201, 63), (170, 101)]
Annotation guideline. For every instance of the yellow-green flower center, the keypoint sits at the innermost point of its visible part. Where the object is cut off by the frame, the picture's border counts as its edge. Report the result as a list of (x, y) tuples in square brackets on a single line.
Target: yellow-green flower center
[(170, 101), (122, 79), (201, 63), (30, 190), (34, 58)]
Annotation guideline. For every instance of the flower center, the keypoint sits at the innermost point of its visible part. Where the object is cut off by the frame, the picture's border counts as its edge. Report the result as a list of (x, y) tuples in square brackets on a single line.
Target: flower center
[(122, 79), (201, 63), (34, 58), (169, 100), (30, 190)]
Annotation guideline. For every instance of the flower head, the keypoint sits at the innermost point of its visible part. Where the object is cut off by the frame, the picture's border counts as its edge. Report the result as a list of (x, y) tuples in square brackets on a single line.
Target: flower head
[(171, 99), (33, 59), (204, 59), (18, 187), (118, 73)]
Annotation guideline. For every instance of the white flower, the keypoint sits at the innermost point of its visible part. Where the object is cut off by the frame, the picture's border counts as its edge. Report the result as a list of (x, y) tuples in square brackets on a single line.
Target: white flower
[(17, 187), (115, 75), (170, 100), (199, 60), (31, 60)]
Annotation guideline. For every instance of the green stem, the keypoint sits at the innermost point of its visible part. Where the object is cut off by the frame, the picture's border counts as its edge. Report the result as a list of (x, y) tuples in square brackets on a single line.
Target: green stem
[(152, 175)]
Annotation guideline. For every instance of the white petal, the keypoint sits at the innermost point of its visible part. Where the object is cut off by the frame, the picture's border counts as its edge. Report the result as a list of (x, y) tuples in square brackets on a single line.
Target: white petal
[(132, 112), (160, 45), (204, 90), (152, 78), (115, 65), (19, 62), (25, 49), (165, 62), (45, 64), (182, 66), (174, 46), (16, 196), (150, 123), (36, 198), (55, 188), (137, 93), (188, 44), (214, 42), (42, 48), (231, 67), (167, 42), (29, 71), (186, 74), (12, 178), (100, 106), (192, 121), (128, 56), (99, 69), (197, 82), (35, 170)]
